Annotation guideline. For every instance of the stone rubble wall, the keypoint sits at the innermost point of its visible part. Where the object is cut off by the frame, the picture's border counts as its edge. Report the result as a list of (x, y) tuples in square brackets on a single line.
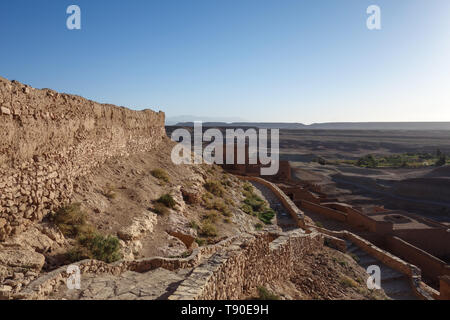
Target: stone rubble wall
[(254, 260), (43, 286), (48, 139)]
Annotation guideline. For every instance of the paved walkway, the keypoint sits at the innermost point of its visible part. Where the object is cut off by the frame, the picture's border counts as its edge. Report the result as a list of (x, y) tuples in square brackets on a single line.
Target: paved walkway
[(157, 284)]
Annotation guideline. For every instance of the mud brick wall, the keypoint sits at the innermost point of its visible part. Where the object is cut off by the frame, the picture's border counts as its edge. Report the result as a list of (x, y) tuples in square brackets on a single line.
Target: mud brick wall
[(48, 139)]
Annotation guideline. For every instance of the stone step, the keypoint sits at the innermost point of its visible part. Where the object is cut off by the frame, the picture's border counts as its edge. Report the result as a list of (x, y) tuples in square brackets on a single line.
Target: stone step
[(389, 273), (365, 259), (396, 286)]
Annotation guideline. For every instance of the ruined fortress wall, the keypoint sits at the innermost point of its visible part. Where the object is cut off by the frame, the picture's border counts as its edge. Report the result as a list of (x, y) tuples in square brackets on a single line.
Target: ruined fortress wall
[(331, 213), (436, 241), (250, 262), (430, 265), (48, 139)]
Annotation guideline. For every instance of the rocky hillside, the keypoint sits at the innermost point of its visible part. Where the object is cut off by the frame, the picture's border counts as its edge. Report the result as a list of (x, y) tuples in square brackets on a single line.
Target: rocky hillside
[(98, 189)]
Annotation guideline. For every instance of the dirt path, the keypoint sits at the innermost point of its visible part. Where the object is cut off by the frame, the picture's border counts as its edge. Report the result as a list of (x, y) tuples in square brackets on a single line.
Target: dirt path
[(283, 219)]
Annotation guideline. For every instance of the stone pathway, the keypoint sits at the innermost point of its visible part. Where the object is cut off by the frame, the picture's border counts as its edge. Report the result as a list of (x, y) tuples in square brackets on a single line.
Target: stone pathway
[(396, 285), (157, 284), (283, 218)]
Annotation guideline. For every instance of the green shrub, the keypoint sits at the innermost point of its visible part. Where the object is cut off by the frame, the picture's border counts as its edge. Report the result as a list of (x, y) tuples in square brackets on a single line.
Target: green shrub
[(226, 182), (248, 187), (259, 226), (160, 174), (255, 202), (247, 209), (194, 225), (212, 216), (96, 246), (208, 230), (343, 263), (220, 206), (266, 216), (264, 294), (230, 202), (167, 200), (215, 188), (72, 222), (368, 161)]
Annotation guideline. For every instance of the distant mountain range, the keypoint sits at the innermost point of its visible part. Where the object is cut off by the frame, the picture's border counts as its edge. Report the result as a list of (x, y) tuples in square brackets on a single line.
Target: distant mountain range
[(170, 121), (330, 125)]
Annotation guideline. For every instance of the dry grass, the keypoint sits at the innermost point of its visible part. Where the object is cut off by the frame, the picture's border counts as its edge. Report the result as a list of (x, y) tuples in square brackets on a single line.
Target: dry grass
[(348, 282), (208, 229), (215, 188)]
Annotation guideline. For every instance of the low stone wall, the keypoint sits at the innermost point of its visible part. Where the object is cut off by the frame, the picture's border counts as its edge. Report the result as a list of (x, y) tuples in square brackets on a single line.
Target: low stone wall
[(48, 139), (251, 261), (46, 284), (293, 210)]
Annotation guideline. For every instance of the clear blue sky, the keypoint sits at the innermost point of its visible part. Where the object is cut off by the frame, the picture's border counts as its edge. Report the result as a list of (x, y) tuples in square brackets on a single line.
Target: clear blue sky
[(281, 60)]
